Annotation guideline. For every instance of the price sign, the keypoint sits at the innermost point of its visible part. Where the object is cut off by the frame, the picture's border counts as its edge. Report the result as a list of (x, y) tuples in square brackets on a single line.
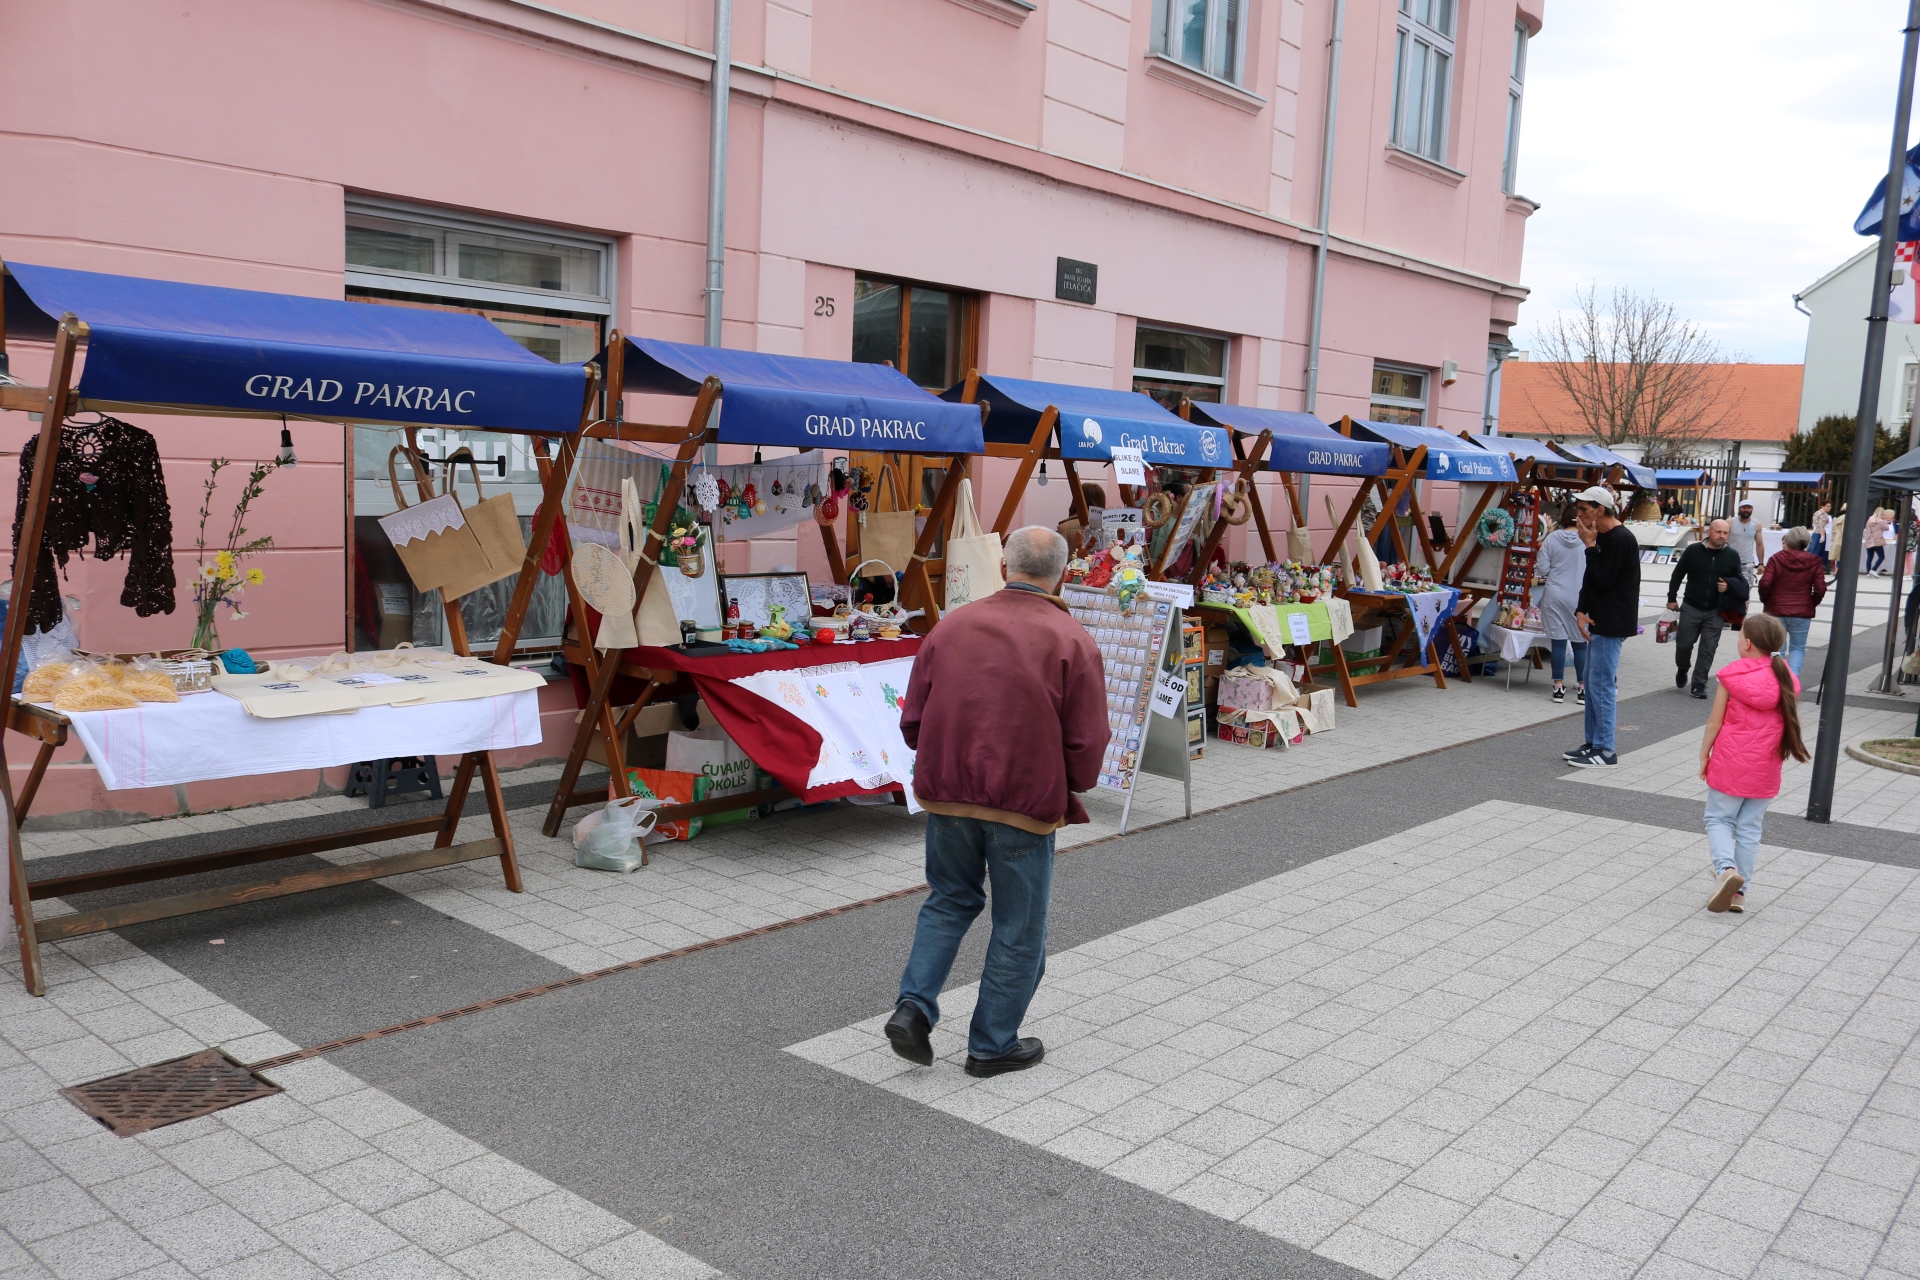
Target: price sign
[(1298, 630), (1128, 468), (1169, 695), (1174, 593)]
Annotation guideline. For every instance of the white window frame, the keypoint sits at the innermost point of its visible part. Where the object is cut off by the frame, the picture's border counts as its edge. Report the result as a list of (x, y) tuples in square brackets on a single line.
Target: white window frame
[(1516, 93), (598, 303), (1168, 45), (1402, 402), (1423, 77), (1193, 379), (1909, 391)]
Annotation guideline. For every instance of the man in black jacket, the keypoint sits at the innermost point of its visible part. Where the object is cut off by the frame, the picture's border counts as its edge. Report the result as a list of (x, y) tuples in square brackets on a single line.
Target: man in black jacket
[(1708, 567), (1608, 612)]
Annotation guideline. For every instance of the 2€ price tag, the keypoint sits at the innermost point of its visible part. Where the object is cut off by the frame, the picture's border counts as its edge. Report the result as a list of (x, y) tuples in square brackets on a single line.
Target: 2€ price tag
[(1169, 695), (1128, 467), (1298, 629)]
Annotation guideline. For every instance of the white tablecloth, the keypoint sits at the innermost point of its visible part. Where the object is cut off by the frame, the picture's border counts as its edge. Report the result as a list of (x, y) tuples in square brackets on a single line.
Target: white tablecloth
[(209, 735), (1515, 644)]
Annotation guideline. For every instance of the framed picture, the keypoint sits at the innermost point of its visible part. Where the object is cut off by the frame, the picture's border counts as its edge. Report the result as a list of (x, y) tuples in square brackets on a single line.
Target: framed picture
[(1647, 556), (759, 592), (695, 599)]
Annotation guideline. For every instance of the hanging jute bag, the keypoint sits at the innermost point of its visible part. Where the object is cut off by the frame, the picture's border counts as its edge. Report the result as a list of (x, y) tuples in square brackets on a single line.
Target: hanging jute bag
[(973, 555), (434, 539), (494, 523), (889, 535)]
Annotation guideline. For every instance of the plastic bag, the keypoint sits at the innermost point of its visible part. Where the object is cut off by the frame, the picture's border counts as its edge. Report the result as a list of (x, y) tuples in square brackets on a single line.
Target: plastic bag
[(147, 680), (53, 666), (610, 839)]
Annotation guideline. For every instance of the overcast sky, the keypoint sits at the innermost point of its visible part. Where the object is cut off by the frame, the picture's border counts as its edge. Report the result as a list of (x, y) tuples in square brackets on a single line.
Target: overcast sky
[(1714, 152)]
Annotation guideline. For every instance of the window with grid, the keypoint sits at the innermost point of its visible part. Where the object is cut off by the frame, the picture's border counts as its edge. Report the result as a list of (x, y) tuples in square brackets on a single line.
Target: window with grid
[(1171, 363), (1399, 395), (1208, 35), (549, 292), (1516, 86), (924, 331), (1423, 77)]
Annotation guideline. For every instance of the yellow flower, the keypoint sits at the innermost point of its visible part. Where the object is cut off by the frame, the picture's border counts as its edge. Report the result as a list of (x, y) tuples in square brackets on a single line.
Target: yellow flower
[(224, 561), (256, 576)]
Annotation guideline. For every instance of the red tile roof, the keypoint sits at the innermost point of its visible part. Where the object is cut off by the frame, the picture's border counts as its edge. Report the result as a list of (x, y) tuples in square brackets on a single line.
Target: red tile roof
[(1766, 402)]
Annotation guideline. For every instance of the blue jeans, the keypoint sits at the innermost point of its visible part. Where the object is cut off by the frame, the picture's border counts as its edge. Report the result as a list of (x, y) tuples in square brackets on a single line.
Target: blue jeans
[(962, 855), (1579, 660), (1733, 831), (1797, 629), (1603, 684), (1876, 556)]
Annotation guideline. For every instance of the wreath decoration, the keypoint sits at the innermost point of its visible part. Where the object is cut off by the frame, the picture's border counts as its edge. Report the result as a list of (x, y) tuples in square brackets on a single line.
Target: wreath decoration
[(1157, 510), (1495, 529)]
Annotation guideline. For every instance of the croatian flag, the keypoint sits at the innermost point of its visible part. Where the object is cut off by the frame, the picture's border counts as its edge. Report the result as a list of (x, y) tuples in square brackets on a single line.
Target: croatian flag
[(1901, 297), (1868, 223)]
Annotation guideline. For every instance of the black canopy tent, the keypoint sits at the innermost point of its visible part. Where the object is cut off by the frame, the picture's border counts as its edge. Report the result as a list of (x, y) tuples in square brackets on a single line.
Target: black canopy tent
[(160, 347)]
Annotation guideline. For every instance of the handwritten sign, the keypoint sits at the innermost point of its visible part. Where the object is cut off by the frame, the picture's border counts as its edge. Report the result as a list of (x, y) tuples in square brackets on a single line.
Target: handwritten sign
[(1169, 695), (1128, 468), (1298, 629)]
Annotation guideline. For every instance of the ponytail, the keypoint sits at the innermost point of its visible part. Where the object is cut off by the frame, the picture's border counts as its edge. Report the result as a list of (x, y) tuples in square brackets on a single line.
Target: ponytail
[(1764, 632)]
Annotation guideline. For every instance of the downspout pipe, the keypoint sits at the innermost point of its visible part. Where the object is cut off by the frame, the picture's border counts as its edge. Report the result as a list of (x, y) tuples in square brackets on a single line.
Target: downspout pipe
[(722, 86), (1326, 203)]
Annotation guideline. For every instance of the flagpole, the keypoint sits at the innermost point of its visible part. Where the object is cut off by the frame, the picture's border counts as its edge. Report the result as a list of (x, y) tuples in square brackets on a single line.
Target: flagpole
[(1833, 701)]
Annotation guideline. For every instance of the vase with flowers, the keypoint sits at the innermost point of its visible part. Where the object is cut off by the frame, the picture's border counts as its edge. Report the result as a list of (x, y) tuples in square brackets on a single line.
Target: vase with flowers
[(684, 542), (225, 580)]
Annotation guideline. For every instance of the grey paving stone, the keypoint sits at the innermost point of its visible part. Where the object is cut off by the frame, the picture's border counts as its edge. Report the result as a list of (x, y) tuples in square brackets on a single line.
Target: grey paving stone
[(492, 1182), (1823, 1241), (567, 1223), (219, 1157), (280, 1263), (48, 1208), (376, 1182), (1619, 1229), (209, 1238), (102, 1251), (338, 1237), (274, 1195), (442, 1223), (512, 1257), (639, 1256)]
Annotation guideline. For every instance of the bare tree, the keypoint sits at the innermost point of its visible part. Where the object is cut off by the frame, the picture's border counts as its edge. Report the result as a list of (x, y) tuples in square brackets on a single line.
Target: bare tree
[(1636, 374)]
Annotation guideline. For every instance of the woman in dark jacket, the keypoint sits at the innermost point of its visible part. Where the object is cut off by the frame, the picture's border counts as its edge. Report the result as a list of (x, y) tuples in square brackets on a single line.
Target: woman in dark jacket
[(1791, 589)]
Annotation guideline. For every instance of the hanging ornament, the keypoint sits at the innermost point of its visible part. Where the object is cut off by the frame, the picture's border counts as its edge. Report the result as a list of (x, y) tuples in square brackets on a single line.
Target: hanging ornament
[(827, 510), (706, 491), (776, 486)]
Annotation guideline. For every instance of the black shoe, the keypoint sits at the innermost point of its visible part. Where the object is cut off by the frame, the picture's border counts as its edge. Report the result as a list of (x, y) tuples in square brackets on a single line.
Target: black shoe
[(1596, 760), (1580, 750), (1680, 678), (1027, 1055), (1698, 691), (907, 1029)]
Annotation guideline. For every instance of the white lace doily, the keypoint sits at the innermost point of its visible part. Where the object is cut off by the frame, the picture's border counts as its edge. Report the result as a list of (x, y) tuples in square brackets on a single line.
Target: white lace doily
[(436, 515)]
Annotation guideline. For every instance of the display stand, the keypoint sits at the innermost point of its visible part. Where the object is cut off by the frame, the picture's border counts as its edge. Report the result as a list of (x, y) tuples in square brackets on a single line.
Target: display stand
[(1138, 647), (751, 398), (162, 348)]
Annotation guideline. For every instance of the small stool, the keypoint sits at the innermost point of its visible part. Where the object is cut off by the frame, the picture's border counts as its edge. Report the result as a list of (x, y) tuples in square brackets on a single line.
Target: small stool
[(379, 780)]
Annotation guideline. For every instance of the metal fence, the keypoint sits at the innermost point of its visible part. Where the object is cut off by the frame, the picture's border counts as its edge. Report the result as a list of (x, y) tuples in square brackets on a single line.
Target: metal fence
[(1719, 497)]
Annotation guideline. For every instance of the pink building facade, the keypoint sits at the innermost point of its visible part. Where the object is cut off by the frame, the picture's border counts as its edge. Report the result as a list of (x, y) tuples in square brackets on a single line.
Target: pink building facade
[(905, 179)]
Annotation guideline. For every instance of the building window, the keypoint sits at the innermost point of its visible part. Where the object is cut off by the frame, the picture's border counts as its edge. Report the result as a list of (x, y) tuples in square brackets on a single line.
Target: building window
[(1169, 364), (546, 289), (1207, 35), (1423, 77), (1909, 385), (1399, 395), (1516, 85), (925, 331)]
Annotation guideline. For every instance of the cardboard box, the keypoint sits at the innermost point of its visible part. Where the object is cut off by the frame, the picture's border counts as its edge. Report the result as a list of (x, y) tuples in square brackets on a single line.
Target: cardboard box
[(394, 625), (1218, 641), (646, 744)]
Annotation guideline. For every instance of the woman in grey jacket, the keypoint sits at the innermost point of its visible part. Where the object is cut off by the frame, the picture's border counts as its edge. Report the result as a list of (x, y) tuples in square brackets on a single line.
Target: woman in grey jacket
[(1562, 567)]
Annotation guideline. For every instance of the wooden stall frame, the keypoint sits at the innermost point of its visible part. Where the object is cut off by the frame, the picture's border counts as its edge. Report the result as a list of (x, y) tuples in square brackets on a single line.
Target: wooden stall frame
[(55, 402)]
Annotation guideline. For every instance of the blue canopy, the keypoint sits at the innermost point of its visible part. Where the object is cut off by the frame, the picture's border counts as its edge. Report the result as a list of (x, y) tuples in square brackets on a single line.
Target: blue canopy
[(1448, 456), (1683, 478), (1093, 420), (795, 400), (1638, 476), (162, 345), (1782, 477), (1301, 442)]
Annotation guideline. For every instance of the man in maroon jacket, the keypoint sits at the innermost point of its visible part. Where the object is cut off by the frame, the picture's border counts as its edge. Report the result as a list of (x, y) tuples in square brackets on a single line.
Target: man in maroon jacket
[(1007, 715)]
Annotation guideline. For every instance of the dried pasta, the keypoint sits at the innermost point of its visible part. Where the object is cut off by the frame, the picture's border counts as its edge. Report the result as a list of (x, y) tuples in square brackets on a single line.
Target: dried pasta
[(92, 690), (42, 679), (149, 686)]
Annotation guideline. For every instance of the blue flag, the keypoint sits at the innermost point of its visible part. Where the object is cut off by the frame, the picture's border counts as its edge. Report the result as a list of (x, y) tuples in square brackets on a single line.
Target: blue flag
[(1868, 223)]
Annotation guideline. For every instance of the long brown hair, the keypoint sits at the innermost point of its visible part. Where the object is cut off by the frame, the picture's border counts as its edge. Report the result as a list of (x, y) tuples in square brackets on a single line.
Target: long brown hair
[(1764, 632)]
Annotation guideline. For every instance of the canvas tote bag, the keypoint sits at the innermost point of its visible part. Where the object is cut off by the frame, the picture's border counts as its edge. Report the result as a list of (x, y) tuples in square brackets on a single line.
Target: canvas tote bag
[(496, 526), (658, 624), (434, 539), (973, 556), (889, 535)]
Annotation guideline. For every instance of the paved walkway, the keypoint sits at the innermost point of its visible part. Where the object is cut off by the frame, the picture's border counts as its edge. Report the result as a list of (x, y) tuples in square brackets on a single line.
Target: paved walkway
[(1410, 999)]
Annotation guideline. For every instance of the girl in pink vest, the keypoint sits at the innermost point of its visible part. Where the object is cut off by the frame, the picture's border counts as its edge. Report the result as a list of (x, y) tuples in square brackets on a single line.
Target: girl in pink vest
[(1754, 727)]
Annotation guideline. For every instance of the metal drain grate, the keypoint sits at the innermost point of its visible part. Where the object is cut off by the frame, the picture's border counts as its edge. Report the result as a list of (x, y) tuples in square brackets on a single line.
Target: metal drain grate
[(169, 1092)]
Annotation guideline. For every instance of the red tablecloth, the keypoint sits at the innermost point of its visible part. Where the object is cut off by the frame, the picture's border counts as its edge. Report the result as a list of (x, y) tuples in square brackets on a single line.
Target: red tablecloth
[(773, 737)]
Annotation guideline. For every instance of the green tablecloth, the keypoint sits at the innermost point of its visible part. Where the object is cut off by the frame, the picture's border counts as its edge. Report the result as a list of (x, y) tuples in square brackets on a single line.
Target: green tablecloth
[(1319, 621)]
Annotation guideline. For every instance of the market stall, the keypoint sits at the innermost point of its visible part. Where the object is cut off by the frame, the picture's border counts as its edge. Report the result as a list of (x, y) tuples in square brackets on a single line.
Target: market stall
[(1618, 470), (1130, 431), (163, 348), (1294, 444), (770, 401)]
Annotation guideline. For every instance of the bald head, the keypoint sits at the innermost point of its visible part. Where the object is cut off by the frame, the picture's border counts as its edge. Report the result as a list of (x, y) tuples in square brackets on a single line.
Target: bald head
[(1717, 534), (1036, 556)]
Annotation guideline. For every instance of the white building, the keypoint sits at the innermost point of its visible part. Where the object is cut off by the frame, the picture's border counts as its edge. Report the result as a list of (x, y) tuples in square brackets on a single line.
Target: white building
[(1836, 305)]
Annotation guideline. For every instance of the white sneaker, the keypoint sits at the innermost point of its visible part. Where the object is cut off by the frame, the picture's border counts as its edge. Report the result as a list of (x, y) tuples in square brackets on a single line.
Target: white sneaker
[(1729, 883)]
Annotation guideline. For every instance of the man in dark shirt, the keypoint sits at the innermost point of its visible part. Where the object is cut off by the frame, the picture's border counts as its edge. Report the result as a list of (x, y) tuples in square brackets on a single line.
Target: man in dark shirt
[(1705, 567), (1608, 612)]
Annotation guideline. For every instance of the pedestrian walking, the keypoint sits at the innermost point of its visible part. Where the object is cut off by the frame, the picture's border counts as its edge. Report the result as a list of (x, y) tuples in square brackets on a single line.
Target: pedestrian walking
[(1563, 567), (1753, 728), (1876, 541), (1608, 612), (1743, 535), (1709, 568), (1006, 710), (1791, 589), (1836, 541), (1822, 526)]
